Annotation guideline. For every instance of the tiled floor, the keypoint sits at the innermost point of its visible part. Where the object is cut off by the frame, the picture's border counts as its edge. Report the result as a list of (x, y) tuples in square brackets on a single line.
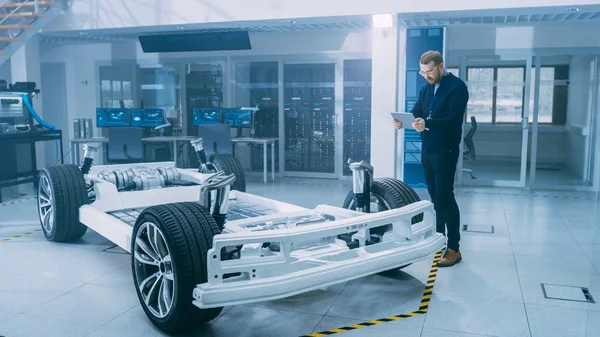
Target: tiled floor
[(85, 289)]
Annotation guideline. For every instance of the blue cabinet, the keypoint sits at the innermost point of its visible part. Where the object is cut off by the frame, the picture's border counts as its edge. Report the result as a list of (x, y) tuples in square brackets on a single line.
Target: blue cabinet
[(418, 41)]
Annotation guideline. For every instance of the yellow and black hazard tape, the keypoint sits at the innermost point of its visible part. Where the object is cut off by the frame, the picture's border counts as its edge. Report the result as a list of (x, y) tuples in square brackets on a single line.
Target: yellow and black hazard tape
[(19, 236), (423, 307), (18, 201)]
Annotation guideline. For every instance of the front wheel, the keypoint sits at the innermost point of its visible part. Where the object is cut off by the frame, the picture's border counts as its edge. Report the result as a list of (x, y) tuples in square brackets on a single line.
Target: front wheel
[(168, 250)]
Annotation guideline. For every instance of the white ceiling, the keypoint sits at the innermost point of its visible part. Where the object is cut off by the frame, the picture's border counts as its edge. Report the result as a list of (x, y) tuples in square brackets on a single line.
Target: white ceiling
[(502, 17)]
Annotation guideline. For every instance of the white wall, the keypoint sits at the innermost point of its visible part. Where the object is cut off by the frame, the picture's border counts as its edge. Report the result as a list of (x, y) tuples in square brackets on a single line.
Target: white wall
[(580, 107), (496, 39), (81, 82), (97, 14)]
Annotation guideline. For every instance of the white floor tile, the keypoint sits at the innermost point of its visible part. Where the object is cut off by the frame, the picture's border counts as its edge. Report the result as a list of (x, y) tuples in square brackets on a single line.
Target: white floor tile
[(481, 276), (540, 236), (29, 326), (551, 321), (92, 304), (442, 333), (477, 316)]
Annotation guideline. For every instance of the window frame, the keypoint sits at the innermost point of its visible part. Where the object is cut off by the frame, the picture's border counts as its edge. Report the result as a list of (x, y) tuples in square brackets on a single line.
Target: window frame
[(559, 111)]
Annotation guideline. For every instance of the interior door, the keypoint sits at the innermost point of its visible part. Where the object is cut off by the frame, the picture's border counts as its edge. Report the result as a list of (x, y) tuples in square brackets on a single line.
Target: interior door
[(496, 130)]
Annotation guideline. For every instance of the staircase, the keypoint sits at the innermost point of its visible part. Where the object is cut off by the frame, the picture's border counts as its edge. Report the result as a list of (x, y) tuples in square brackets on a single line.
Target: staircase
[(22, 19)]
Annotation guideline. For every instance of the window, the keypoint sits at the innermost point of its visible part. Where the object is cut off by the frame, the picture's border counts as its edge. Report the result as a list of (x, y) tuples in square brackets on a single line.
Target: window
[(497, 94), (481, 94), (114, 93)]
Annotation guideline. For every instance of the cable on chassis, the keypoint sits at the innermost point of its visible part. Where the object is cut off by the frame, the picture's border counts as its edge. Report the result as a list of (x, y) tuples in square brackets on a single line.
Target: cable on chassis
[(198, 245)]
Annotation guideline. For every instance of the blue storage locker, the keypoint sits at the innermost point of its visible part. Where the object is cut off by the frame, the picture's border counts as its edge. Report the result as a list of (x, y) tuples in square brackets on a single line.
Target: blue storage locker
[(418, 41)]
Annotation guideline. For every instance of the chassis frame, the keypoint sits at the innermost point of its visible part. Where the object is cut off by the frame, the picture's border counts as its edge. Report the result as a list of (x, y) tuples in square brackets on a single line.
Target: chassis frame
[(283, 249)]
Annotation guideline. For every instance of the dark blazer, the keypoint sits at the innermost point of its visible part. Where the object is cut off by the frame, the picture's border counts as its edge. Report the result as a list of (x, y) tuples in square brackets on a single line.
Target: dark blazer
[(443, 115)]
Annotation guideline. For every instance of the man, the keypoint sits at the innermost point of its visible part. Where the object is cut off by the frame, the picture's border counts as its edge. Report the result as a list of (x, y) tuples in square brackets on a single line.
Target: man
[(439, 113)]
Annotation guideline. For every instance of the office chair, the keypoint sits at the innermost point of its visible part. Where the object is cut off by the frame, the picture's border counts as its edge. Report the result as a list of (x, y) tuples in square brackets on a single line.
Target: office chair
[(125, 145), (216, 138), (468, 140)]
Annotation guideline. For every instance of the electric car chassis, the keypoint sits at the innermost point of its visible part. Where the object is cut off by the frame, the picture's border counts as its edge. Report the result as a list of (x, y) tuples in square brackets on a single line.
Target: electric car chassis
[(197, 244)]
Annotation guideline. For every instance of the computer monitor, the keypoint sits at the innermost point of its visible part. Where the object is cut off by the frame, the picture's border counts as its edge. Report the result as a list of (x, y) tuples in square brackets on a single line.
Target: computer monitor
[(244, 119), (147, 118), (238, 118), (230, 116), (203, 116), (112, 117)]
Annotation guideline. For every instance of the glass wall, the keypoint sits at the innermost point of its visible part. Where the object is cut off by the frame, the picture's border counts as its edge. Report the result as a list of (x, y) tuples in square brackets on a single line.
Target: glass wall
[(357, 112), (116, 86), (203, 89), (567, 97), (257, 84), (309, 93), (160, 88)]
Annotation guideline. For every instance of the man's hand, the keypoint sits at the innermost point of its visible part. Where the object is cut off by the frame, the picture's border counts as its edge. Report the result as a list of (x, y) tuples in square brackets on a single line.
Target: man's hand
[(397, 124), (419, 124)]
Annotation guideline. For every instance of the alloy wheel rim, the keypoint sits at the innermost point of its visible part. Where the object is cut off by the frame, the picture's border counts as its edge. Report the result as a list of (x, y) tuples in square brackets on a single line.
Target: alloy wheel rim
[(154, 270), (45, 204)]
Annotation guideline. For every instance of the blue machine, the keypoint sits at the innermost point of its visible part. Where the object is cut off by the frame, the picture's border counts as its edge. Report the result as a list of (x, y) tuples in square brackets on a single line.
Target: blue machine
[(112, 117), (203, 116)]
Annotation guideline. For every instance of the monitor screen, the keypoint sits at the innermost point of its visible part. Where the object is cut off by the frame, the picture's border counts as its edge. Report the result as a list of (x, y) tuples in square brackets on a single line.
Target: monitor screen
[(244, 119), (207, 116), (112, 117), (147, 118), (231, 116)]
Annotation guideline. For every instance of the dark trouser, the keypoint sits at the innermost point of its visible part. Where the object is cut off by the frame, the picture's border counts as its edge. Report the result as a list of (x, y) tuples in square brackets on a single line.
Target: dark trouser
[(439, 169)]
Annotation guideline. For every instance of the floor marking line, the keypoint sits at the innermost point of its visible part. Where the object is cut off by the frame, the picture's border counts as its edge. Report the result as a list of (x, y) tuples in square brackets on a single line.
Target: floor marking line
[(423, 307), (16, 202), (19, 236)]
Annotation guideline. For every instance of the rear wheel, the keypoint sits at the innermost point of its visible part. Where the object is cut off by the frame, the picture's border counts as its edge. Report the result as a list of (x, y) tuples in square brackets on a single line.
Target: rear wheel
[(169, 247), (386, 194), (61, 192), (230, 165)]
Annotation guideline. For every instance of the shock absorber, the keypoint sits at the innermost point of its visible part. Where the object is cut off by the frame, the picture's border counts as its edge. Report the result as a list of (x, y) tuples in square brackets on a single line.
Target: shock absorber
[(200, 154), (88, 157), (362, 178), (214, 195)]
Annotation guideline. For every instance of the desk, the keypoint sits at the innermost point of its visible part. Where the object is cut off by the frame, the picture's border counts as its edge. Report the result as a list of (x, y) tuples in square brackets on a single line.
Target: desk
[(9, 141), (75, 156), (264, 142), (75, 153), (173, 139)]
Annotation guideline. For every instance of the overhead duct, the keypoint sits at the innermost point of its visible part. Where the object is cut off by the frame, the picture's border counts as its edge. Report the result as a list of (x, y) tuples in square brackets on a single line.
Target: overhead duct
[(189, 42)]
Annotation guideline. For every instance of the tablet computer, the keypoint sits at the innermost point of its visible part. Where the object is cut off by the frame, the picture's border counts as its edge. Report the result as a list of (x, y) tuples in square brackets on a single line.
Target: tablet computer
[(406, 118)]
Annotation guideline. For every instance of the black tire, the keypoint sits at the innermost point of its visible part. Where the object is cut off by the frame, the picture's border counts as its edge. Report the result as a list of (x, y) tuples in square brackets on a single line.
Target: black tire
[(393, 192), (188, 230), (230, 165), (68, 191)]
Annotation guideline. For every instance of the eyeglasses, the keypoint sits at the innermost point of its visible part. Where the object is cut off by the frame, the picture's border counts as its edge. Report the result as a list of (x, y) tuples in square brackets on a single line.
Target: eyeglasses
[(428, 72)]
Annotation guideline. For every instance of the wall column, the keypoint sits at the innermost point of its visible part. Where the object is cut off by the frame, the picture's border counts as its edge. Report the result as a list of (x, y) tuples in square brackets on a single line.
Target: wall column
[(25, 67), (385, 79)]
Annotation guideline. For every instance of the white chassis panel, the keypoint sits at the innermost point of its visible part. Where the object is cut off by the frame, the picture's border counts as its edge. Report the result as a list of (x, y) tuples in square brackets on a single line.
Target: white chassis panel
[(309, 256)]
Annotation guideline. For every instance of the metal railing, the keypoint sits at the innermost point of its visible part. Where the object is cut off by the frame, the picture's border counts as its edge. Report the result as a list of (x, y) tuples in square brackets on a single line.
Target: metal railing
[(35, 6)]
